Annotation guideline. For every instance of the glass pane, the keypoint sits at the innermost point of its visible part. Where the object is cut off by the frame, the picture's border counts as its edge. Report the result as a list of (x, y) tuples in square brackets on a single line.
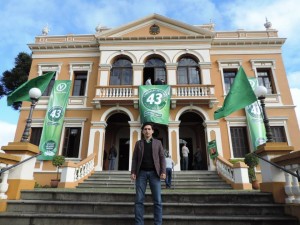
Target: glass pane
[(155, 62), (122, 63), (194, 75), (127, 77), (187, 62), (160, 73), (115, 78), (182, 75)]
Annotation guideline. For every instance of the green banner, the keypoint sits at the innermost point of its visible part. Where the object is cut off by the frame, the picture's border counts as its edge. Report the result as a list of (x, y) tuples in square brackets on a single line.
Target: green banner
[(255, 120), (212, 149), (54, 119), (154, 103)]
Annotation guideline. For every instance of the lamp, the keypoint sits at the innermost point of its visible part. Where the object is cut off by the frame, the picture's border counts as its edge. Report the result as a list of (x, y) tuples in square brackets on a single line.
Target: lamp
[(34, 94), (261, 93)]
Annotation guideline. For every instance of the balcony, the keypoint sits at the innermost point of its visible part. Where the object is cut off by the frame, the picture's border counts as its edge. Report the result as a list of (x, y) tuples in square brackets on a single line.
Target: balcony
[(180, 94)]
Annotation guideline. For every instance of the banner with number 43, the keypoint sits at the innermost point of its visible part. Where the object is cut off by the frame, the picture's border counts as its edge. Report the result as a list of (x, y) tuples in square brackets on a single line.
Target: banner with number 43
[(54, 119), (154, 103)]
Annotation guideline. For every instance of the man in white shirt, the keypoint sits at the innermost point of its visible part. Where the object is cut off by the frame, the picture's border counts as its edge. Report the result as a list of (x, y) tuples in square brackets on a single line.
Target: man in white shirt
[(169, 167), (185, 157)]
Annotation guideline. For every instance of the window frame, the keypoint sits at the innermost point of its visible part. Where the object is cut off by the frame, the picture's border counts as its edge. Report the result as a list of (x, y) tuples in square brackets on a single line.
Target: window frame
[(245, 140), (124, 72), (82, 85), (188, 70), (231, 78)]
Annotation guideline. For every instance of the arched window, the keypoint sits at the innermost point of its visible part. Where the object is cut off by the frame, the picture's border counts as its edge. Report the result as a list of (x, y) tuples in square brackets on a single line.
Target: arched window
[(155, 68), (121, 72), (188, 71)]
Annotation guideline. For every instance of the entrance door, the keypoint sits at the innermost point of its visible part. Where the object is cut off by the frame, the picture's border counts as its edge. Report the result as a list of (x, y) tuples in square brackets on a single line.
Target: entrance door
[(124, 154)]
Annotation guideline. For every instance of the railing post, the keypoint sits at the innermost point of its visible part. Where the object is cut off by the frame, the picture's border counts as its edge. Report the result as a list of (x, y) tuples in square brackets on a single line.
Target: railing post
[(241, 178), (21, 177), (273, 179)]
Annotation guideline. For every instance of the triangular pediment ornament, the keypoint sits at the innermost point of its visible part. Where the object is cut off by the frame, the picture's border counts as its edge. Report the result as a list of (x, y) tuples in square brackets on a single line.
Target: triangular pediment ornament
[(156, 25)]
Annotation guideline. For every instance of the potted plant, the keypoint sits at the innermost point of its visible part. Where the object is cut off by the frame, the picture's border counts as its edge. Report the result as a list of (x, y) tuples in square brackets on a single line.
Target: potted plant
[(252, 161), (57, 161)]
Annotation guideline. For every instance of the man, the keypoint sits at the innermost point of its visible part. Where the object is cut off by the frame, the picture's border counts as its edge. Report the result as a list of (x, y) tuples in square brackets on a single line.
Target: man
[(148, 164), (148, 81), (112, 157), (169, 167), (185, 155), (198, 159), (158, 82)]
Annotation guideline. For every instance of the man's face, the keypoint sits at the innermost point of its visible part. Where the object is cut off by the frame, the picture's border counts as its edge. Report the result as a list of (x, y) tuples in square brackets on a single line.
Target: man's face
[(147, 131)]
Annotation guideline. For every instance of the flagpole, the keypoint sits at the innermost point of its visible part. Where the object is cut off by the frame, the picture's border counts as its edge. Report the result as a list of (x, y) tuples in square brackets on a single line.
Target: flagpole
[(34, 94)]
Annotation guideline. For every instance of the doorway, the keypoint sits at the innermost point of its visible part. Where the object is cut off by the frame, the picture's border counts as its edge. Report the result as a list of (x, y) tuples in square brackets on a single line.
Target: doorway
[(123, 154)]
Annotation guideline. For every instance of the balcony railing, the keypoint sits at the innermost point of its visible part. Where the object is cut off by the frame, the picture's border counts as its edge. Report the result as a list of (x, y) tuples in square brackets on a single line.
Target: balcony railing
[(196, 92)]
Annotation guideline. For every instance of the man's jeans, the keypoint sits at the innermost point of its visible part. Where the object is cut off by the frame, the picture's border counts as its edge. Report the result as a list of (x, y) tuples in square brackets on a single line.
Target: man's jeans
[(111, 165), (185, 163), (155, 186), (169, 177)]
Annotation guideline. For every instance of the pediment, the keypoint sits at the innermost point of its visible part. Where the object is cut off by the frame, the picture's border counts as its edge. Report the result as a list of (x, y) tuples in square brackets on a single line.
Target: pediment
[(147, 26)]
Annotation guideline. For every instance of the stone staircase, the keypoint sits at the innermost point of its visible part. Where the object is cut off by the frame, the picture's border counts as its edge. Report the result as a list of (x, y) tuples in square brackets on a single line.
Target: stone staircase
[(181, 180), (199, 197)]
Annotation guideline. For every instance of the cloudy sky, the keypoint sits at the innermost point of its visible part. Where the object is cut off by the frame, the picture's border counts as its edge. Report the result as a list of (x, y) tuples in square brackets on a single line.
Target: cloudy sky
[(22, 20)]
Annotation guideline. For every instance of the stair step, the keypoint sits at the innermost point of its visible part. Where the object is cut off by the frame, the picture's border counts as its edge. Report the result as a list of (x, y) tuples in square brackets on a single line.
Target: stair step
[(124, 219)]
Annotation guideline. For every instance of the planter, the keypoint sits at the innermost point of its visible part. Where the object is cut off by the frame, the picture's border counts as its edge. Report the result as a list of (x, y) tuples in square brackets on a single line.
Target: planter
[(54, 183), (255, 185)]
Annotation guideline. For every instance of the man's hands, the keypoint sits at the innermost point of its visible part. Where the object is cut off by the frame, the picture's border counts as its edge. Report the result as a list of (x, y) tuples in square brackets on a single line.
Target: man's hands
[(163, 176), (133, 177)]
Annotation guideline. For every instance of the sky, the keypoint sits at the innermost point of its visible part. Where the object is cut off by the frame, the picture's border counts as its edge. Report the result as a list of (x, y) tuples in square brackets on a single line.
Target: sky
[(23, 20)]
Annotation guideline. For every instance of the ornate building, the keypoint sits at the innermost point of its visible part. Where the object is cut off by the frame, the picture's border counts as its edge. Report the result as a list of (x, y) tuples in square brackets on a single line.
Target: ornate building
[(199, 64)]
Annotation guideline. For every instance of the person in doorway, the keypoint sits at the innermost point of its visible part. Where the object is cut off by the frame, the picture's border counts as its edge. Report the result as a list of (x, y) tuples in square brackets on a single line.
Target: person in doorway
[(169, 167), (148, 165), (112, 157), (158, 82), (185, 157), (148, 81), (198, 159)]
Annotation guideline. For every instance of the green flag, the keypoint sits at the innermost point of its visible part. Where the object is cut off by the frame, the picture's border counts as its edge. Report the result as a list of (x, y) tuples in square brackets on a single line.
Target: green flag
[(240, 95), (22, 92)]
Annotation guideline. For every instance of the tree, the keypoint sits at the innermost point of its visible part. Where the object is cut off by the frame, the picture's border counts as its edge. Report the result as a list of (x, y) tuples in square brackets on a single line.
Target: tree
[(12, 79)]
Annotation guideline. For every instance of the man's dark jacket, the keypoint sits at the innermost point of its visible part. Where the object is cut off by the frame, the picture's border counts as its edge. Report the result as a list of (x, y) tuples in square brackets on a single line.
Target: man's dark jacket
[(157, 153)]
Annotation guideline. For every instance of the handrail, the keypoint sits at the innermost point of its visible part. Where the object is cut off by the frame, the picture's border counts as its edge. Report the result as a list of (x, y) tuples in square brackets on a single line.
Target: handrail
[(19, 163), (279, 167)]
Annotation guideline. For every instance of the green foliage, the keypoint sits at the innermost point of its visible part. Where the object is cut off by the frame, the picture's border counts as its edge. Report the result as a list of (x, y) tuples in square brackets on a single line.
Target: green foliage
[(12, 79), (58, 161), (233, 161), (252, 161)]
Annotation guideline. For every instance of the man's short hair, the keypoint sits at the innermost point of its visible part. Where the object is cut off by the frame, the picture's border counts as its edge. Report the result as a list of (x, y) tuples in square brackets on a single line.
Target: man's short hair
[(148, 124)]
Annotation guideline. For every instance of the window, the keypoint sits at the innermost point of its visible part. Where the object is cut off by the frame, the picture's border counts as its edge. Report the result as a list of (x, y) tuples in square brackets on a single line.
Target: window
[(48, 90), (155, 69), (35, 136), (79, 83), (71, 142), (239, 139), (121, 72), (265, 79), (229, 76), (188, 71), (278, 134)]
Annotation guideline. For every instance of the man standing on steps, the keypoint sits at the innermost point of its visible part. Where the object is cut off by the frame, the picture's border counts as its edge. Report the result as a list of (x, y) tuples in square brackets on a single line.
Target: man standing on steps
[(185, 155), (148, 164)]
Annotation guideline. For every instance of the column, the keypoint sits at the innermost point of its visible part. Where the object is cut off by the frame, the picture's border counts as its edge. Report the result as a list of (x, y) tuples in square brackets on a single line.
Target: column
[(135, 135), (174, 150), (96, 143), (213, 132)]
